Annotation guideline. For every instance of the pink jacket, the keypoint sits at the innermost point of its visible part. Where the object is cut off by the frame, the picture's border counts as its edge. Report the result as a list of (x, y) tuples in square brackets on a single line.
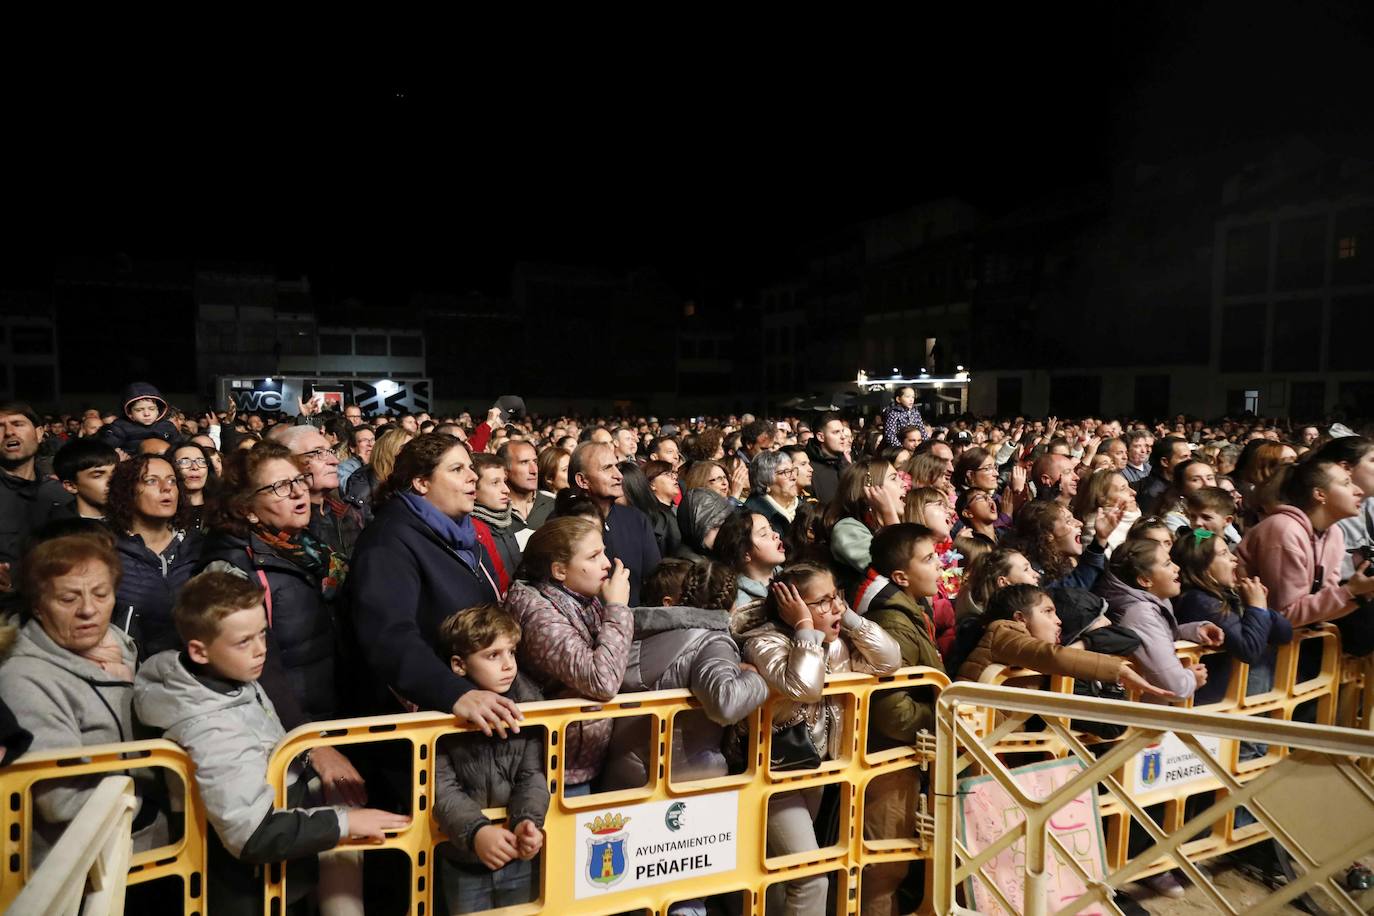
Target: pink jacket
[(1286, 554)]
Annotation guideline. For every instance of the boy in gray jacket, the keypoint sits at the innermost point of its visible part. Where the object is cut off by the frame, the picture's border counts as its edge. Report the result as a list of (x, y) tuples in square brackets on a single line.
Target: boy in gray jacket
[(207, 699), (489, 865)]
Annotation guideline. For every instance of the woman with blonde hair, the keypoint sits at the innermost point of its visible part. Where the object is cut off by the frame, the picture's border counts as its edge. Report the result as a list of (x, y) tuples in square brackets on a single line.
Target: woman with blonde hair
[(364, 482)]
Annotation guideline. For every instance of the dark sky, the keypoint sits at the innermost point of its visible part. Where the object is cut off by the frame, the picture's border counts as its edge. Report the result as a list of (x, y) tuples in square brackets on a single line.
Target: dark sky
[(419, 156)]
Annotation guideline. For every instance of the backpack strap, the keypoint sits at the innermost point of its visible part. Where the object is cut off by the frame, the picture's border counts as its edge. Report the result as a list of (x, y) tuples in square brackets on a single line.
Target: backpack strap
[(266, 589)]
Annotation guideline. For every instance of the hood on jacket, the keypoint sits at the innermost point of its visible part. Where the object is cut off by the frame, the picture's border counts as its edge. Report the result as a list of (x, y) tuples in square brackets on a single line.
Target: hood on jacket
[(1117, 594), (755, 589), (1078, 610), (139, 391), (166, 694), (650, 621), (700, 511), (819, 456), (1295, 516), (34, 642)]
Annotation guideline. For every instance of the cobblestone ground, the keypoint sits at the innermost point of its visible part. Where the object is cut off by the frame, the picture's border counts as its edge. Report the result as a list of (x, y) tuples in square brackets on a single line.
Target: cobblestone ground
[(1237, 886)]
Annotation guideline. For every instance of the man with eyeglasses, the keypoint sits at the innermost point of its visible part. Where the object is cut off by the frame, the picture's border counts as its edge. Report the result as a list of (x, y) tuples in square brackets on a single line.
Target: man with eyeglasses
[(334, 519)]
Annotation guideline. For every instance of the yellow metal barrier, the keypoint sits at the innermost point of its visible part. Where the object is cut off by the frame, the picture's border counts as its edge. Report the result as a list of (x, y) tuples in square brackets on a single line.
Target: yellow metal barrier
[(1297, 800), (184, 859), (746, 795)]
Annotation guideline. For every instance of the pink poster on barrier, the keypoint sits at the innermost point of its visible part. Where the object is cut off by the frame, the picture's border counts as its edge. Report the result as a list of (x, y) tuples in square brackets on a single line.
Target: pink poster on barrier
[(988, 812)]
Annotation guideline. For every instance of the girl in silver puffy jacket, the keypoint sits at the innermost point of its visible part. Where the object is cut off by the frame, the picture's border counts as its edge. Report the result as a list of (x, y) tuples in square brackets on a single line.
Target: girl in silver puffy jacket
[(799, 634)]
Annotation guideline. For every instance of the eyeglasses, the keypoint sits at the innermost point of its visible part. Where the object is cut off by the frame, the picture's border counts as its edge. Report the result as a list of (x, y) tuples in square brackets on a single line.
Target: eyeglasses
[(787, 472), (282, 488), (717, 478), (314, 454), (833, 600), (184, 463)]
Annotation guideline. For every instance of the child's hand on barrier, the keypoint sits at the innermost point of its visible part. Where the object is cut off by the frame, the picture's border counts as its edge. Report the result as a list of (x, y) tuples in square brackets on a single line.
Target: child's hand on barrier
[(1209, 634), (1131, 679), (495, 846), (529, 839), (1199, 674), (372, 823)]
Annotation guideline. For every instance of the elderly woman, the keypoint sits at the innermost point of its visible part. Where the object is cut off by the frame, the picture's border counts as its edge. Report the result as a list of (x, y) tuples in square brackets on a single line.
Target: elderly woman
[(147, 510), (773, 481), (69, 678), (259, 530)]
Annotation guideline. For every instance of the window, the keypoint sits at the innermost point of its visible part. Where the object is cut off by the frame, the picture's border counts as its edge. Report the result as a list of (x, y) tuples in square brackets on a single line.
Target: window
[(1242, 337), (1346, 248), (1301, 253), (405, 345), (1247, 259), (1307, 400), (370, 344), (336, 345), (1297, 336), (31, 340), (1349, 346), (1349, 268)]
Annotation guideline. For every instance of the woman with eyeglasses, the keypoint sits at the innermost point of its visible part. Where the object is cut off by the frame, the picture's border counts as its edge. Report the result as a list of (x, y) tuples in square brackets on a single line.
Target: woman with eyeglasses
[(147, 510), (773, 480), (196, 469)]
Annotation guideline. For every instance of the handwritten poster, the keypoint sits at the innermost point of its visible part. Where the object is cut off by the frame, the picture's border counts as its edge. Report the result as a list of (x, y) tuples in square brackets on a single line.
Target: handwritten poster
[(988, 812)]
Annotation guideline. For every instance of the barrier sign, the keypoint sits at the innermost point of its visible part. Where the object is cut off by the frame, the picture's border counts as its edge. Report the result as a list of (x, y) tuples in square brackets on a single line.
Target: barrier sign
[(632, 846), (1169, 763), (988, 812)]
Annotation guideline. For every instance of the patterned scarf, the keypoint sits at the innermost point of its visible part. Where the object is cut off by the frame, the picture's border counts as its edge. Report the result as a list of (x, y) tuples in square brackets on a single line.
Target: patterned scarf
[(497, 520), (309, 553)]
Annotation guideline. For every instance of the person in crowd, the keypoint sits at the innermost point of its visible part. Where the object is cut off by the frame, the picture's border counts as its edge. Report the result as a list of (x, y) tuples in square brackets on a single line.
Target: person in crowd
[(69, 680), (1356, 455), (1213, 509), (570, 600), (627, 533), (199, 481), (977, 513), (148, 512), (361, 440), (1152, 528), (553, 473), (699, 516), (145, 417), (624, 443), (368, 480), (904, 554), (1188, 476), (666, 448), (870, 496), (532, 507), (84, 467), (1119, 452), (487, 865), (1108, 488), (1212, 591), (708, 446), (497, 527), (1052, 540), (1001, 567), (755, 438), (829, 454), (1055, 480), (902, 415), (1137, 587), (803, 631), (1298, 551), (1166, 453), (752, 549), (706, 474), (206, 697), (805, 472), (773, 484), (651, 490), (1138, 444), (334, 520), (416, 562), (928, 507), (27, 500), (1257, 477), (682, 641)]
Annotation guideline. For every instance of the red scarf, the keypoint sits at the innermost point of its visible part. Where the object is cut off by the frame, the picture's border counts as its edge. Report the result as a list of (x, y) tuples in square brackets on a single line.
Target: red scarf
[(489, 544)]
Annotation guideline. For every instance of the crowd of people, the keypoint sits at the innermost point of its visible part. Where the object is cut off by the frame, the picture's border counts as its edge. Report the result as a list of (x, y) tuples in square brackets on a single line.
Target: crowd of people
[(223, 578)]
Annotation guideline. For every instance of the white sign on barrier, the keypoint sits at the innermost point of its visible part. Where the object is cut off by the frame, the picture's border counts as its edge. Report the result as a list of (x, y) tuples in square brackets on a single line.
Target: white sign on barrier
[(641, 845), (1169, 763)]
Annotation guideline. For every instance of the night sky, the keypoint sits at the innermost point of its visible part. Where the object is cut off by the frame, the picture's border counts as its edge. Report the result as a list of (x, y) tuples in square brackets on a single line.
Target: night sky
[(710, 149)]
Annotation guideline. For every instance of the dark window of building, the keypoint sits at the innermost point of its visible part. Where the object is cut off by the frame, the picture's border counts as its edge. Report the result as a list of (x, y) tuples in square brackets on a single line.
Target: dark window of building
[(4, 334), (34, 383), (336, 345), (32, 340), (1301, 253), (1354, 249), (1297, 336), (1075, 395), (1009, 396), (1242, 337), (1307, 400), (1349, 342), (406, 345), (1357, 398), (370, 344), (1247, 259), (1151, 396)]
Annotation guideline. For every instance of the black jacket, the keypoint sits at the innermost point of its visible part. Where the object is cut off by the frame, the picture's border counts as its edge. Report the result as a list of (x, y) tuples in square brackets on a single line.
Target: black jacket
[(358, 490), (630, 539), (340, 532), (302, 628), (13, 737), (402, 583), (24, 506), (825, 471), (150, 586), (1148, 492)]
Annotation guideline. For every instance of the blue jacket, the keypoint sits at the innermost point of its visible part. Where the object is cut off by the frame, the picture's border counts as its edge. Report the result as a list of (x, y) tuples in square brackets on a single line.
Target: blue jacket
[(403, 582), (1249, 638), (1090, 567), (630, 539), (150, 586)]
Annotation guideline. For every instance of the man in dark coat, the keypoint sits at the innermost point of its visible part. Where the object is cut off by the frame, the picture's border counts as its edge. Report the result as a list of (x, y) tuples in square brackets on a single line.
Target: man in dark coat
[(26, 501), (627, 532), (828, 460)]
